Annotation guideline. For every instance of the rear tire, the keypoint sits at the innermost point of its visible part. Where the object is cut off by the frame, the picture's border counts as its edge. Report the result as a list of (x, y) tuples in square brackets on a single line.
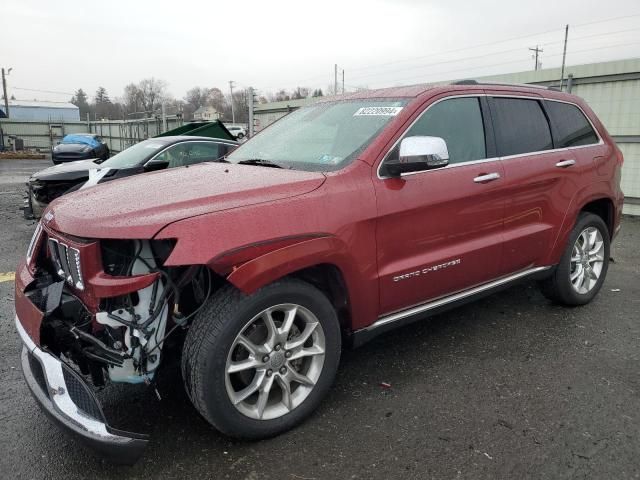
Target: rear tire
[(583, 267), (232, 332)]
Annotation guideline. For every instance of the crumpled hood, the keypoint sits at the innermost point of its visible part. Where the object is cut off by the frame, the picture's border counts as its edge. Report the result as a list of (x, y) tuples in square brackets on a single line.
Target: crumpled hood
[(64, 171), (140, 206)]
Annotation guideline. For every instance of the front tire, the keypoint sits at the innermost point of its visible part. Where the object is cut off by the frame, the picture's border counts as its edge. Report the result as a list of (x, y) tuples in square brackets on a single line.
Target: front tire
[(583, 266), (257, 365)]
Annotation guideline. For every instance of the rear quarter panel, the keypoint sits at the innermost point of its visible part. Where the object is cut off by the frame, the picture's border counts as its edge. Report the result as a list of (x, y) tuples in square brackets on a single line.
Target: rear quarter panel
[(600, 179)]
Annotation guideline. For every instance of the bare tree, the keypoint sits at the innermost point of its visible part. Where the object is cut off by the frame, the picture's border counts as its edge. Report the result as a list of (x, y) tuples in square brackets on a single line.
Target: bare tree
[(217, 99), (240, 106), (132, 98), (197, 97), (300, 92), (152, 93), (281, 95)]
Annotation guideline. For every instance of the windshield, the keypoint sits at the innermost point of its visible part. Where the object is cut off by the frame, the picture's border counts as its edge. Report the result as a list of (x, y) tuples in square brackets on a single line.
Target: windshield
[(320, 137), (135, 155)]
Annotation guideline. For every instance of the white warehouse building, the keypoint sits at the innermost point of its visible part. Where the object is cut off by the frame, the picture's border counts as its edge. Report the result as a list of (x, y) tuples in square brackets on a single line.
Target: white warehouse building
[(41, 111)]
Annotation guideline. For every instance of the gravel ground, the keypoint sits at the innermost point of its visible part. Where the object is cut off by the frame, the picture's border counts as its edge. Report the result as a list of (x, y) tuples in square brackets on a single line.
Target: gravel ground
[(511, 386)]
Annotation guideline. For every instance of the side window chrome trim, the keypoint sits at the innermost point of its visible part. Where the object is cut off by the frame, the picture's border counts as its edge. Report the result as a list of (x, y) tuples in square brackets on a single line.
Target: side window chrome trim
[(509, 157), (395, 144), (448, 167)]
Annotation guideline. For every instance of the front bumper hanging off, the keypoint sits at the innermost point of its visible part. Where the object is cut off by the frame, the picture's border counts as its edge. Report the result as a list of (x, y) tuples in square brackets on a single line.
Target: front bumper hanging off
[(71, 404)]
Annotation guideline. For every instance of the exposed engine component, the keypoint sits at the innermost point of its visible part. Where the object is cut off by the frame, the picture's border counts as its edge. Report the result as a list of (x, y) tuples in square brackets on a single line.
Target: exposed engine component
[(137, 330)]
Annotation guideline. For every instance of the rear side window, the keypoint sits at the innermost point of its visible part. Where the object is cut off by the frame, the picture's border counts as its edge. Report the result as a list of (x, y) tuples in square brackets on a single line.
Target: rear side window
[(520, 126), (572, 128), (459, 122)]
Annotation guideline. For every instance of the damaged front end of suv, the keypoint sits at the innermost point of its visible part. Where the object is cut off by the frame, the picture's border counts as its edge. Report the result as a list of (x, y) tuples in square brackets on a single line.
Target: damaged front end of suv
[(93, 312)]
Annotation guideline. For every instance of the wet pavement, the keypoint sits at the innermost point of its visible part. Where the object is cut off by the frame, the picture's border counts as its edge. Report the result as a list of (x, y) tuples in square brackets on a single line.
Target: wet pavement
[(510, 386)]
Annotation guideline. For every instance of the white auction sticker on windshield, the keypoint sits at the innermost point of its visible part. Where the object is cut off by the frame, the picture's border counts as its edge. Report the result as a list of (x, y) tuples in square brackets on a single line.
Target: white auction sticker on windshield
[(378, 111)]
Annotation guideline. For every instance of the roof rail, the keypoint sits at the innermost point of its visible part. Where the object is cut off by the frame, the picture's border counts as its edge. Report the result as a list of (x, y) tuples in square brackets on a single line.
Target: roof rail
[(502, 84)]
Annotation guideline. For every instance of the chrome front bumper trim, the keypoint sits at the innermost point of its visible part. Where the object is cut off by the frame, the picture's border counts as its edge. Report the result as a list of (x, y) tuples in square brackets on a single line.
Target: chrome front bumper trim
[(123, 447)]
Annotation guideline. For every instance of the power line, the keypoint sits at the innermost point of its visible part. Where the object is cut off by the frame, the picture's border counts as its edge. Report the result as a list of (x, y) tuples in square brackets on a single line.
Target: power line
[(365, 67), (45, 101), (595, 35), (41, 91), (456, 60), (482, 45), (522, 60)]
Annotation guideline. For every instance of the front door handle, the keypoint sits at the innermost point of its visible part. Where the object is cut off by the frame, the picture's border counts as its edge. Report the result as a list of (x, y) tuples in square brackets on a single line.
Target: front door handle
[(565, 163), (487, 177)]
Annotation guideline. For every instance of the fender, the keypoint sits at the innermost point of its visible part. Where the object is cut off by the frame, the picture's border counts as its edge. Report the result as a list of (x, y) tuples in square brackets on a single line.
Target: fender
[(580, 199), (267, 268)]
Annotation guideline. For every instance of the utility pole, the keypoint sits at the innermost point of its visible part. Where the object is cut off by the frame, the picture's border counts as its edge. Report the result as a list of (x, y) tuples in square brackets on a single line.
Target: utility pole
[(335, 79), (4, 90), (564, 55), (233, 112), (251, 101), (164, 117), (537, 51)]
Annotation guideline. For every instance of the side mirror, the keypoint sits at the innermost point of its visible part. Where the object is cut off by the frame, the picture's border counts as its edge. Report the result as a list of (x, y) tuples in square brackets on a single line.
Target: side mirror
[(418, 154), (155, 164)]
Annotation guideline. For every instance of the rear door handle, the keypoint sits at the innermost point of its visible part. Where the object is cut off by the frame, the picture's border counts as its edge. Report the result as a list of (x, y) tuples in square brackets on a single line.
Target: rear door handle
[(487, 177), (565, 163)]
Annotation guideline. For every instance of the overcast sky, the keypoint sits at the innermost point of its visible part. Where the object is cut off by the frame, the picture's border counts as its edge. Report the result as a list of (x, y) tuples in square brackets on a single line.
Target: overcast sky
[(62, 46)]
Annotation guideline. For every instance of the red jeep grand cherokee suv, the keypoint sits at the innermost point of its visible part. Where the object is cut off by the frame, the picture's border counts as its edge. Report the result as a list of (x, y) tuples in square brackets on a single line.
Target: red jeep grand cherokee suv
[(340, 221)]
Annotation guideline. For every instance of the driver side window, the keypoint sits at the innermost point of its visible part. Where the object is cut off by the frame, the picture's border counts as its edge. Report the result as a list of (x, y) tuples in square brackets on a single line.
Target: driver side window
[(459, 122)]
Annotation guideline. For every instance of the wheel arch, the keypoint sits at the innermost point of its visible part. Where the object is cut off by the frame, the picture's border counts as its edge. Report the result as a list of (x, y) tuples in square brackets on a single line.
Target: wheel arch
[(604, 208), (597, 203), (323, 262), (329, 279)]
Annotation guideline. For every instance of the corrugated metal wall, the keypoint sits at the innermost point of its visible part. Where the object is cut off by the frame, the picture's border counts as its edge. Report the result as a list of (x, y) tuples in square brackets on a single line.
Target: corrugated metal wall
[(118, 134), (612, 90), (617, 104)]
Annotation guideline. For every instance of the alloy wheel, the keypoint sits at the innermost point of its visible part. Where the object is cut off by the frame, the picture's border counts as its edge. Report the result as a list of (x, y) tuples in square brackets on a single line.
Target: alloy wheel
[(275, 361), (587, 260)]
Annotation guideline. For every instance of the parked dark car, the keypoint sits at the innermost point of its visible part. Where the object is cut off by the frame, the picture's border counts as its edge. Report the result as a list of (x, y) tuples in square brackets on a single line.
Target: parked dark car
[(149, 155), (79, 146)]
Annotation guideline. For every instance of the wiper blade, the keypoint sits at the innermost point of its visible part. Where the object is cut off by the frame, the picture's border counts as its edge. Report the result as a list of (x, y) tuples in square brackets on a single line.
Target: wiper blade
[(260, 161)]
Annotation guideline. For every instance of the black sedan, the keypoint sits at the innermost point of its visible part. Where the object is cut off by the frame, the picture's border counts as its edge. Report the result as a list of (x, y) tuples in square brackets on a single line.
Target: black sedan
[(150, 155), (79, 146)]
